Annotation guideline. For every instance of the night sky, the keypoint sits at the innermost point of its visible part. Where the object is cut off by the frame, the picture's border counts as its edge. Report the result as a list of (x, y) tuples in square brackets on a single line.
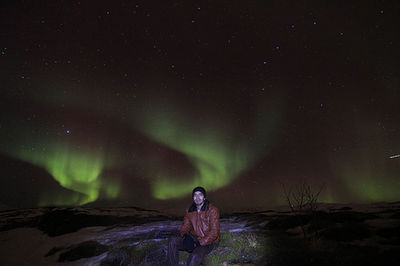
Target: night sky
[(135, 103)]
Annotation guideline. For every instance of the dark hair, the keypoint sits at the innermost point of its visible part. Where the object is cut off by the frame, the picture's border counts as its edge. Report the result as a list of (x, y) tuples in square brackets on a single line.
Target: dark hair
[(201, 189)]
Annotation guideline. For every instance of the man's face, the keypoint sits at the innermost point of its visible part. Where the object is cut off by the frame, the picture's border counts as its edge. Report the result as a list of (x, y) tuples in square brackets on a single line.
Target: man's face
[(198, 198)]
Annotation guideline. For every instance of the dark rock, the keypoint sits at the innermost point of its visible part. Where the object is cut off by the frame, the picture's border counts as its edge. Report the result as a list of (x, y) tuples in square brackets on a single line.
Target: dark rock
[(119, 257), (83, 250), (393, 232), (395, 216), (341, 209), (58, 221), (351, 216), (347, 232), (53, 251), (289, 221)]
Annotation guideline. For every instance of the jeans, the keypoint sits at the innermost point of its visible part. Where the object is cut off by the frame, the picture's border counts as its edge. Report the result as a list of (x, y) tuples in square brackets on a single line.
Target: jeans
[(195, 258)]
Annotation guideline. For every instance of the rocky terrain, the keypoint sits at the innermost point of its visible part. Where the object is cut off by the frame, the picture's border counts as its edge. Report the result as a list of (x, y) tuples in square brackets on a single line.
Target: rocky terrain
[(333, 235)]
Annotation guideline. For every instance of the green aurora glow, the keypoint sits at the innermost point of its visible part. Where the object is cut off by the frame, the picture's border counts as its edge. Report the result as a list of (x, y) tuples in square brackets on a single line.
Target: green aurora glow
[(369, 181), (78, 170), (366, 171), (218, 150), (217, 155)]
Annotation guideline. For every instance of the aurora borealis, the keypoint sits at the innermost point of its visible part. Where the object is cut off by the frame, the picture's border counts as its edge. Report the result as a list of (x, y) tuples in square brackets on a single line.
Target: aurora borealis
[(216, 159), (136, 103)]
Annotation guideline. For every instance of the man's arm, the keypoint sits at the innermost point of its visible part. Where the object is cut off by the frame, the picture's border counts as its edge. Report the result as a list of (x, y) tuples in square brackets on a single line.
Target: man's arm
[(186, 226), (214, 228)]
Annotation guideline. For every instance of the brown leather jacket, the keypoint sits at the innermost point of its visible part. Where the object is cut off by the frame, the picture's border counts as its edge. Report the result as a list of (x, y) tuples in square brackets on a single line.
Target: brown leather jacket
[(204, 225)]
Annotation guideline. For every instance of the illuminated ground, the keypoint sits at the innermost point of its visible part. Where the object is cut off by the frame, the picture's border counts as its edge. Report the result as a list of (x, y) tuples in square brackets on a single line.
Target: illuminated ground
[(351, 235)]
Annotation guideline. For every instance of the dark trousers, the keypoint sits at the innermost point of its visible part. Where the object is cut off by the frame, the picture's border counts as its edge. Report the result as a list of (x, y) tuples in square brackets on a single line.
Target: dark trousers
[(195, 258)]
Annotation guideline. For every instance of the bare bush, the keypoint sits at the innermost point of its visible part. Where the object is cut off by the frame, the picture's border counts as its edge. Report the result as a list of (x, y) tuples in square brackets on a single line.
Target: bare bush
[(301, 197), (303, 201)]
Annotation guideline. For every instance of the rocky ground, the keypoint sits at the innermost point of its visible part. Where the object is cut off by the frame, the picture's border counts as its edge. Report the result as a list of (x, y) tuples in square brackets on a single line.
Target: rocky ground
[(334, 235)]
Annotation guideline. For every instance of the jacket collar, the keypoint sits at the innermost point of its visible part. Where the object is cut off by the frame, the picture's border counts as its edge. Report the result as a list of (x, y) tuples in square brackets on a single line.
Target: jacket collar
[(205, 206)]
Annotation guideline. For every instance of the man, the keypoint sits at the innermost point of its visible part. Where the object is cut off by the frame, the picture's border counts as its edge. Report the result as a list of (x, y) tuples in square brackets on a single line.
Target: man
[(199, 233)]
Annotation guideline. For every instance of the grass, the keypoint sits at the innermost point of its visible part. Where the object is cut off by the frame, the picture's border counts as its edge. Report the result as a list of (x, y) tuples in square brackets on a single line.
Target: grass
[(236, 248), (148, 251), (332, 239), (248, 248)]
